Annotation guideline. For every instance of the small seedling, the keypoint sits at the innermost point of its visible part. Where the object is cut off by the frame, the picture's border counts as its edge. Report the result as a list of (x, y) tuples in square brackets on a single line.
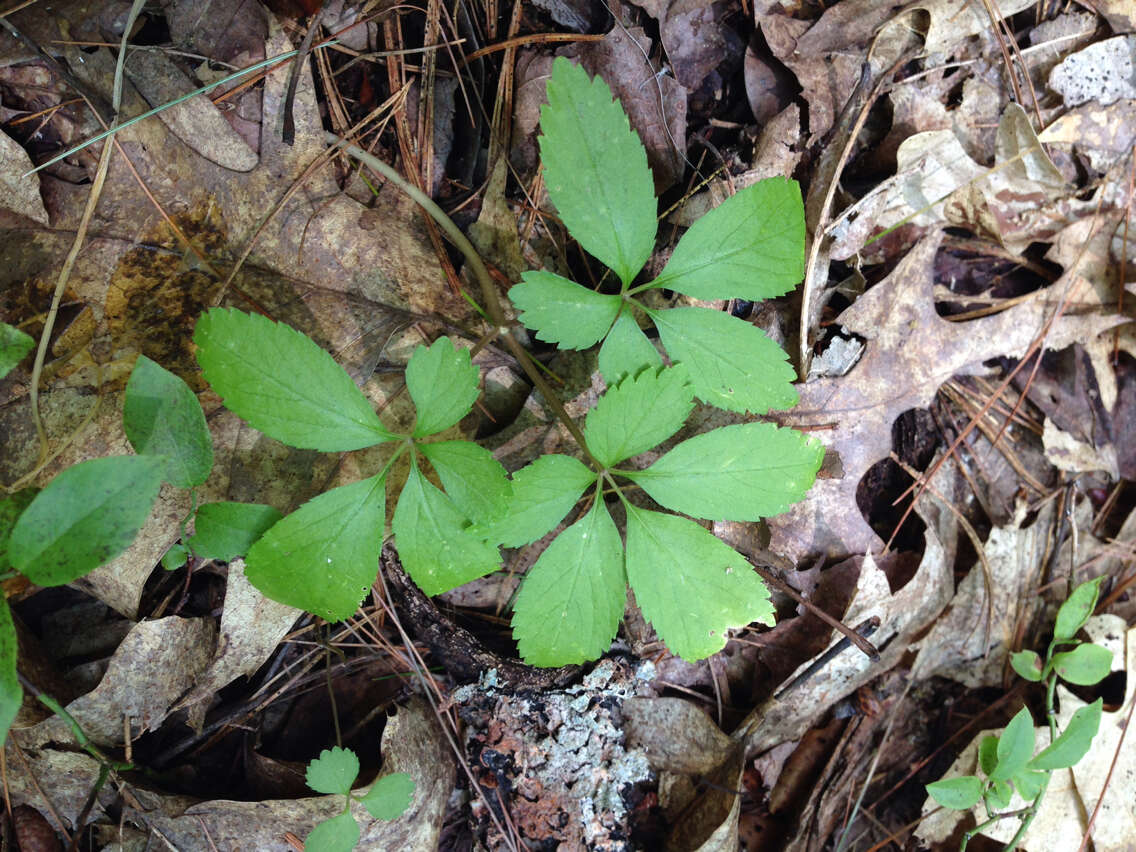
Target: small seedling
[(1007, 761), (333, 773)]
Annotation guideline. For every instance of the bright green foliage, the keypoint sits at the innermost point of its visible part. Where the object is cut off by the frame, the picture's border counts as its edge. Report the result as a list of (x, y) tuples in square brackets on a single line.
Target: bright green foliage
[(626, 349), (749, 247), (736, 473), (324, 556), (334, 773), (572, 599), (86, 516), (562, 311), (11, 693), (175, 557), (224, 531), (283, 384), (475, 480), (595, 170), (443, 384), (14, 345), (1075, 740), (691, 586), (435, 547), (637, 414), (752, 246), (1008, 761), (162, 417), (732, 364), (543, 493)]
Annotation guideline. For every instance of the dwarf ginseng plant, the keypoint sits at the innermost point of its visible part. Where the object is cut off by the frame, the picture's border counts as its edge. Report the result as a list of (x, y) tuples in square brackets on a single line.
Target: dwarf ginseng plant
[(691, 586)]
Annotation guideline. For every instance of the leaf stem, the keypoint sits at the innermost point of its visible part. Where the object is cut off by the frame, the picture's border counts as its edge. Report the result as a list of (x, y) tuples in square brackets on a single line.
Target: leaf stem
[(484, 280)]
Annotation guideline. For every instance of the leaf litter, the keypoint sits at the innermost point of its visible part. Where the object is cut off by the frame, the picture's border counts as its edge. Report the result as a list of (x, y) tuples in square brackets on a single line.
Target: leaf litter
[(1045, 184)]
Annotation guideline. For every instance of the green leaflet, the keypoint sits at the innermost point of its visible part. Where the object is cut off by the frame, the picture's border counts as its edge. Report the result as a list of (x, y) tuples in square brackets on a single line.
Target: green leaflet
[(1015, 746), (162, 417), (435, 547), (637, 414), (224, 531), (732, 364), (596, 171), (752, 246), (323, 557), (1074, 742), (11, 693), (333, 772), (1084, 665), (958, 794), (85, 517), (744, 472), (691, 586), (11, 508), (563, 312), (572, 599), (626, 349), (1073, 614), (338, 834), (284, 384), (443, 384), (1027, 664), (14, 345), (390, 796), (473, 479), (543, 493)]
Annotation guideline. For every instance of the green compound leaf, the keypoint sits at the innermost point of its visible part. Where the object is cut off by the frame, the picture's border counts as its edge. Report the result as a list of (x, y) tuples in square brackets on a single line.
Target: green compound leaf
[(731, 363), (283, 383), (1028, 783), (543, 493), (11, 694), (1084, 665), (333, 772), (735, 473), (473, 479), (1015, 746), (162, 417), (571, 601), (436, 548), (1076, 610), (563, 312), (85, 517), (224, 531), (14, 346), (752, 246), (637, 414), (958, 794), (626, 350), (1074, 742), (390, 796), (690, 585), (443, 384), (596, 171), (338, 834), (1027, 664), (324, 557), (10, 510)]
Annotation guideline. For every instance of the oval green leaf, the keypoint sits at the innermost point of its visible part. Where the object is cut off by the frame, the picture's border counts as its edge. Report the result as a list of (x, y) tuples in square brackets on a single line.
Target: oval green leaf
[(224, 531), (595, 170), (571, 601), (1027, 664), (1084, 665), (731, 363), (473, 479), (958, 794), (338, 834), (743, 472), (390, 796), (751, 246), (443, 384), (333, 772), (283, 383), (1074, 742), (1015, 746), (1076, 610), (637, 414), (691, 586), (324, 557), (85, 517), (14, 347), (563, 312), (162, 417), (543, 493)]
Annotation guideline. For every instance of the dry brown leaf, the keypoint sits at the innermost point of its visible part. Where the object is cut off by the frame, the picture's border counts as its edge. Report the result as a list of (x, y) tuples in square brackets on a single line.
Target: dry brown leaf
[(910, 352), (18, 193)]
